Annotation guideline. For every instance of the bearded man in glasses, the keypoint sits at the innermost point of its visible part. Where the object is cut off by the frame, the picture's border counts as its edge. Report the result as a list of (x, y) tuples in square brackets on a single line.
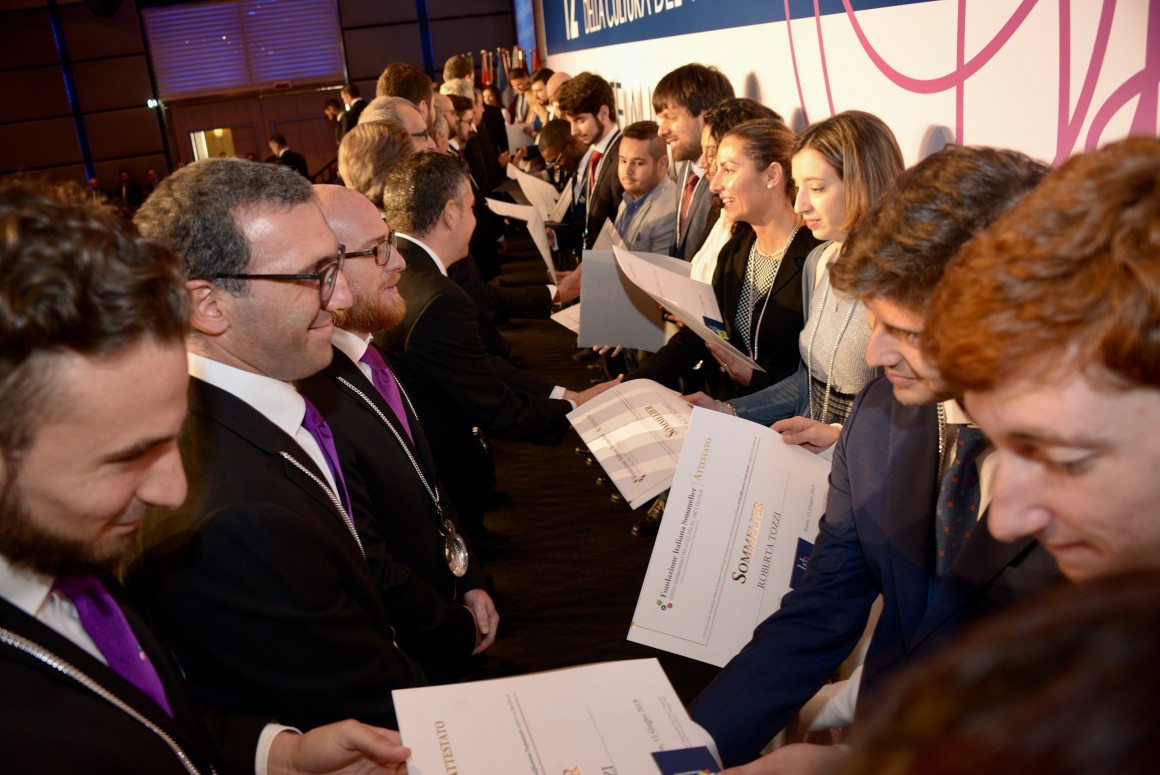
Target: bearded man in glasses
[(271, 585)]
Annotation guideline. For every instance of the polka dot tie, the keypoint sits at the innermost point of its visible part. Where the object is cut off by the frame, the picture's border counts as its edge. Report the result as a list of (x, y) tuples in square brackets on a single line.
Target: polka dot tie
[(958, 502)]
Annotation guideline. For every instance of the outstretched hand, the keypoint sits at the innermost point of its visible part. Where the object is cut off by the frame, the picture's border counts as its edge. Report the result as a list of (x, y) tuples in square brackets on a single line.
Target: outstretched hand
[(344, 748)]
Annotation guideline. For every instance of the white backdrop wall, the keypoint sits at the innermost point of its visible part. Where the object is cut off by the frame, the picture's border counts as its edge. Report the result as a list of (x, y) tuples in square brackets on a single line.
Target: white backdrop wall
[(1047, 77)]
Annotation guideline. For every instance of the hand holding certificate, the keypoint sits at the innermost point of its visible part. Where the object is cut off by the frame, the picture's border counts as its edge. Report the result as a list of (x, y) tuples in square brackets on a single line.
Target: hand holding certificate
[(740, 523)]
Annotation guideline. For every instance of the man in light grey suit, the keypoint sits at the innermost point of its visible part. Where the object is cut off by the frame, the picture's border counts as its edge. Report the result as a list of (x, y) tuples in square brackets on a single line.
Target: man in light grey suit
[(646, 219)]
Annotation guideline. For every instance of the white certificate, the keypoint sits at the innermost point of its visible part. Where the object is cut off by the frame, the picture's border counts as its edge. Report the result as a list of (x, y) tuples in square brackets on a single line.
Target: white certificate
[(737, 532), (562, 204), (602, 718), (540, 193), (635, 431), (569, 318), (694, 303), (516, 136), (536, 228)]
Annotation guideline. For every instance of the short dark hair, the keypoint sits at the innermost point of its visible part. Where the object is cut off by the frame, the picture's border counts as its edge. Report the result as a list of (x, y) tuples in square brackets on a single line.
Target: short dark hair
[(195, 211), (768, 141), (419, 187), (542, 75), (554, 134), (728, 113), (278, 139), (366, 153), (351, 90), (400, 79), (460, 103), (74, 278), (517, 72), (694, 87), (899, 250), (332, 103), (864, 152), (586, 93), (457, 66), (646, 130), (1065, 281)]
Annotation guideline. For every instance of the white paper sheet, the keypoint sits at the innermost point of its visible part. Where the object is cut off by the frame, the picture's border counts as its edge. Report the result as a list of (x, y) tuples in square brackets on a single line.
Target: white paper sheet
[(635, 431), (535, 228), (569, 318), (540, 193), (517, 138), (562, 204), (601, 718), (692, 302), (607, 238), (740, 523)]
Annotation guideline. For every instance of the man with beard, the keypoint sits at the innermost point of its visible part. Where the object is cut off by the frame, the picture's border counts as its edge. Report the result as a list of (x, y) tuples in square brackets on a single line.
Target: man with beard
[(93, 381), (365, 406), (680, 101)]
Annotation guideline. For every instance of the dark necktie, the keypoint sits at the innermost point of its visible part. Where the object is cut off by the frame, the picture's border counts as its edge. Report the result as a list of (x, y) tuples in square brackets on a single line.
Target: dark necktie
[(317, 427), (105, 623), (593, 161), (958, 503), (687, 199), (385, 383)]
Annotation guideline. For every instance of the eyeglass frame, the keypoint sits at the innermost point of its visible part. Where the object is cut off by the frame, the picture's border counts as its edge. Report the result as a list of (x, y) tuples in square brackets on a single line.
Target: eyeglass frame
[(327, 277), (373, 252)]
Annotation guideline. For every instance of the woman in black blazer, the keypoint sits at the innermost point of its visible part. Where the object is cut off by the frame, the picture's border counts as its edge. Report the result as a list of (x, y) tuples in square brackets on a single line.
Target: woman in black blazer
[(758, 278)]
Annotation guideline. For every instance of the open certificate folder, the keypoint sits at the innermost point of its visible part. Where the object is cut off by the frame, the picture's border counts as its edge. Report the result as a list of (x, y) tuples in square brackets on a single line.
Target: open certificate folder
[(635, 431), (601, 718), (737, 532)]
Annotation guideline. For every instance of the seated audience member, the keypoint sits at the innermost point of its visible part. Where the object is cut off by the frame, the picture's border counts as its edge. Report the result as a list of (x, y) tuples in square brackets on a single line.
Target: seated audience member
[(1065, 684), (1059, 360), (647, 217), (399, 79), (456, 384), (286, 157), (403, 112), (93, 381), (909, 479), (718, 120), (363, 404), (271, 584), (368, 151), (840, 166), (680, 100), (758, 280), (587, 102)]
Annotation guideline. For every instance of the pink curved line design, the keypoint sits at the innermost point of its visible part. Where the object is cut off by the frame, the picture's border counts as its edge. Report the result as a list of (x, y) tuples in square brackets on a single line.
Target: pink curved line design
[(1069, 126), (960, 74), (1143, 84), (960, 87), (822, 54), (793, 58)]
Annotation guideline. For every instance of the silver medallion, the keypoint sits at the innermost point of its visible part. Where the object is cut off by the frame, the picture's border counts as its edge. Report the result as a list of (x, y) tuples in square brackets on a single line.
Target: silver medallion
[(454, 549)]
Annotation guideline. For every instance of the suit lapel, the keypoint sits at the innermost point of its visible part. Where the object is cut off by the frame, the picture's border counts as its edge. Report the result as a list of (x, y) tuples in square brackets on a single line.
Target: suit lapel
[(226, 409)]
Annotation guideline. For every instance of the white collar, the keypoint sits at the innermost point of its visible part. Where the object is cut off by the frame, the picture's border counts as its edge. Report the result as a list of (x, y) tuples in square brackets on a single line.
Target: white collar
[(353, 345), (955, 413), (276, 400), (430, 252), (24, 588)]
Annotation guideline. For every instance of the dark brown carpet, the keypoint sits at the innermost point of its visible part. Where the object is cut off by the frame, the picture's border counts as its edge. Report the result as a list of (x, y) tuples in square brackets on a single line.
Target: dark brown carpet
[(566, 568)]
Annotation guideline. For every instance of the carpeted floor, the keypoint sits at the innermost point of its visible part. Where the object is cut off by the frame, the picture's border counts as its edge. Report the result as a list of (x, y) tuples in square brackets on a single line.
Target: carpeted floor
[(566, 568)]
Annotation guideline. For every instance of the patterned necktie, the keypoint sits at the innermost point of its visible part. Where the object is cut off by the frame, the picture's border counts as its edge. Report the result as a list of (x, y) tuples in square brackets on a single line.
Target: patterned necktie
[(593, 160), (687, 199), (105, 623), (385, 383), (317, 427), (958, 503)]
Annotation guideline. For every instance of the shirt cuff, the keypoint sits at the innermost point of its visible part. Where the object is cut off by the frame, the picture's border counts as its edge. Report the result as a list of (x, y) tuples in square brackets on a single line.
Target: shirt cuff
[(265, 742), (552, 291), (558, 393)]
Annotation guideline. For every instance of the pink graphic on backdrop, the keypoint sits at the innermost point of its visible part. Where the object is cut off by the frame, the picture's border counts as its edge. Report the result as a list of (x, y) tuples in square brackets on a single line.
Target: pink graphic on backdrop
[(1143, 85)]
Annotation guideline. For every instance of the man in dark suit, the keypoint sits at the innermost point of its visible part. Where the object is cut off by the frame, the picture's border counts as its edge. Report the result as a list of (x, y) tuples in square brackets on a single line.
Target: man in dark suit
[(588, 103), (286, 157), (362, 402), (272, 585), (352, 99), (680, 101), (95, 386), (906, 449), (437, 350)]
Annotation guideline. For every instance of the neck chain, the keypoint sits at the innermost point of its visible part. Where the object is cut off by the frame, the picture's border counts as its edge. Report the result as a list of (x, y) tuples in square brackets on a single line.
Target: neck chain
[(755, 253), (942, 442), (833, 353)]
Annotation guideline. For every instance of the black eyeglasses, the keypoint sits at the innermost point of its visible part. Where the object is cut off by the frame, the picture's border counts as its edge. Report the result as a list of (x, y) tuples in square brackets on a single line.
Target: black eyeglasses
[(381, 252), (327, 276)]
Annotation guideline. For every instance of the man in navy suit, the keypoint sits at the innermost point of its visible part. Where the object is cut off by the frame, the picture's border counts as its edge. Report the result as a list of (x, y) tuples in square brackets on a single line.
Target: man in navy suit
[(902, 451), (94, 384)]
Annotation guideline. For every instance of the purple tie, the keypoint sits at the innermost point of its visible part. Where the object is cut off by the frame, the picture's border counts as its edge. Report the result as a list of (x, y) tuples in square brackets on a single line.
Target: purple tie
[(385, 383), (317, 427), (106, 625)]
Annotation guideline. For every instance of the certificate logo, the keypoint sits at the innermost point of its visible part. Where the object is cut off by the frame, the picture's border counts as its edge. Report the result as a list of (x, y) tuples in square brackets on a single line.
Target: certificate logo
[(802, 554), (663, 605), (638, 479)]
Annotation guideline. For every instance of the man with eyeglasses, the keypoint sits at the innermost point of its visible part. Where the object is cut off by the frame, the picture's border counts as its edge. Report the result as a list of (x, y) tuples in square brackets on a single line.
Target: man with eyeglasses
[(272, 585), (365, 405), (404, 112)]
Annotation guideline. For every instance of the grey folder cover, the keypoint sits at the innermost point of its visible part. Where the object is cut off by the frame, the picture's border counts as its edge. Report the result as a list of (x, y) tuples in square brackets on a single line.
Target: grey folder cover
[(614, 310)]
